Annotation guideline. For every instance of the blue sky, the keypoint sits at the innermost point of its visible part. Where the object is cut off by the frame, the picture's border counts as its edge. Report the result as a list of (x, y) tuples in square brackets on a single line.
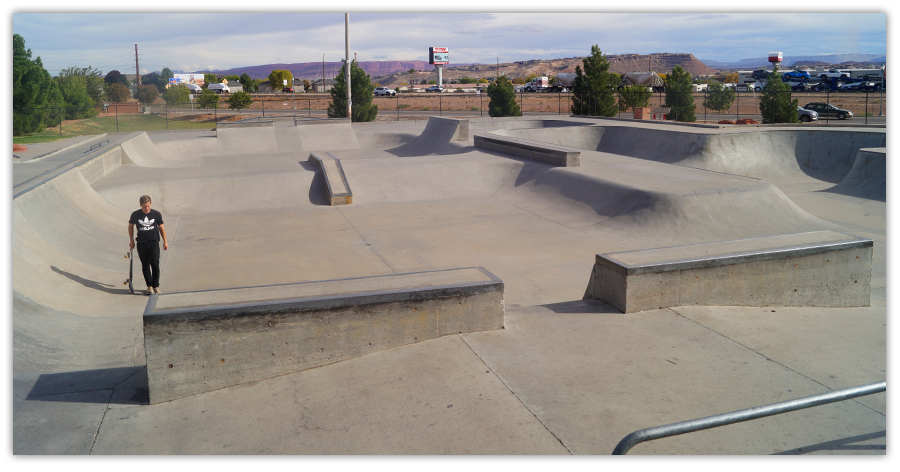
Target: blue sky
[(192, 41)]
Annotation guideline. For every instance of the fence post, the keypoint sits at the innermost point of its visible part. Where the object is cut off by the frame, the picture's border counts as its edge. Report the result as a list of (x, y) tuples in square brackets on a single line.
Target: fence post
[(867, 107), (440, 104), (62, 112), (117, 118), (167, 116), (481, 103), (705, 98)]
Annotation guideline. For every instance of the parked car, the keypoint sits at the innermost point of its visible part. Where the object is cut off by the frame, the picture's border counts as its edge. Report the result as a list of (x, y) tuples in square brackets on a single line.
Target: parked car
[(435, 88), (760, 74), (819, 87), (385, 91), (287, 90), (798, 86), (834, 73), (795, 75), (807, 115), (824, 109)]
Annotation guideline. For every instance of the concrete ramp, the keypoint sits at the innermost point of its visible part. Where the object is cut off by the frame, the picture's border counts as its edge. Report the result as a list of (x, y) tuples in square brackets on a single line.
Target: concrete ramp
[(440, 136), (868, 176), (141, 151), (772, 155), (246, 140), (326, 136)]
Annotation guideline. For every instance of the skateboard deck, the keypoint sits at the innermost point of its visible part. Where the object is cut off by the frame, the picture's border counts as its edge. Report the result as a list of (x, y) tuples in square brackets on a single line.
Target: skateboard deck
[(130, 280)]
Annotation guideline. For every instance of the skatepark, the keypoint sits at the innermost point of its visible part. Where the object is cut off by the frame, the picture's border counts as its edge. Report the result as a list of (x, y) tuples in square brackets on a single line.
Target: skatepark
[(407, 217)]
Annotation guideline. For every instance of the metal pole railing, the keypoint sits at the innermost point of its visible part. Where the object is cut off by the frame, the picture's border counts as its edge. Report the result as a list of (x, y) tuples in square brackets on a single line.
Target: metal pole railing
[(715, 421)]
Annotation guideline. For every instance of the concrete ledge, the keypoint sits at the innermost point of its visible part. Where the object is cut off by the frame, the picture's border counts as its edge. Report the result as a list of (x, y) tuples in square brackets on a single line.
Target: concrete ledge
[(246, 124), (549, 153), (339, 192), (820, 268), (320, 121), (203, 341)]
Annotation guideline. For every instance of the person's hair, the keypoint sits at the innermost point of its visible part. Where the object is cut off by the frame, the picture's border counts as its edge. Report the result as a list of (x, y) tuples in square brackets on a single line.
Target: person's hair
[(145, 199)]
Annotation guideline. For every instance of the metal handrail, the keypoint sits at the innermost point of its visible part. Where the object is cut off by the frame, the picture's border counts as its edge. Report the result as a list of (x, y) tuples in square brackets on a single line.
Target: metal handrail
[(723, 419)]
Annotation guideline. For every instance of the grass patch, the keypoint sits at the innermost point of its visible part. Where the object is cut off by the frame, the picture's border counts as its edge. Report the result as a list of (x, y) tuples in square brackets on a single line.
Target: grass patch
[(107, 124), (474, 108), (403, 105), (426, 109)]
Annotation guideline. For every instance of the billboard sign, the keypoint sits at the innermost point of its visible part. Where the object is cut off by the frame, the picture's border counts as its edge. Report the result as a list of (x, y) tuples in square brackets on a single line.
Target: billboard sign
[(438, 55), (196, 79)]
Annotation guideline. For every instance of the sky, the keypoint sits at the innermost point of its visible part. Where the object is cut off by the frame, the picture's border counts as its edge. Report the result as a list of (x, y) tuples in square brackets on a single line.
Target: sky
[(104, 37)]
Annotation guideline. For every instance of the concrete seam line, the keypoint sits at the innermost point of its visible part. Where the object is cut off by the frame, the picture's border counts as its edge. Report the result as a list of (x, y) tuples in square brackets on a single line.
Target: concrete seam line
[(372, 248), (561, 443), (100, 425), (769, 358), (535, 214)]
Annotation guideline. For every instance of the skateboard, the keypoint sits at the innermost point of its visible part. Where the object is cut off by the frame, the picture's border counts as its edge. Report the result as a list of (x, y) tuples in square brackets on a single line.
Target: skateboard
[(130, 280)]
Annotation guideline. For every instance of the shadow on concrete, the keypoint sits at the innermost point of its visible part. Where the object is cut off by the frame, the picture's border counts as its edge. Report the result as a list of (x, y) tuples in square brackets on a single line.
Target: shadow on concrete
[(129, 385), (318, 189), (581, 306), (845, 444), (95, 285)]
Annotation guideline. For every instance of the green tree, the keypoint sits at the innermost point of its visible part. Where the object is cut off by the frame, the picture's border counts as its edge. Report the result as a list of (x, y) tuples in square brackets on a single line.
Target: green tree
[(239, 100), (232, 78), (93, 78), (146, 94), (118, 93), (634, 96), (679, 96), (412, 76), (78, 103), (775, 102), (306, 85), (718, 98), (165, 75), (208, 99), (176, 94), (277, 78), (36, 97), (116, 77), (594, 91), (249, 84), (503, 98), (153, 79), (361, 93), (209, 78)]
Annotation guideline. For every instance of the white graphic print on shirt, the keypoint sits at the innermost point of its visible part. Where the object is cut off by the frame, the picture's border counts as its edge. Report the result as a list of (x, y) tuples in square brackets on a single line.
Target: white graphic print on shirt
[(146, 224)]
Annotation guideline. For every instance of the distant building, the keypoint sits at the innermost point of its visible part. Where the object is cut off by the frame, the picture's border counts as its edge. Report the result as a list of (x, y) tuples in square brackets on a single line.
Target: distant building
[(317, 85)]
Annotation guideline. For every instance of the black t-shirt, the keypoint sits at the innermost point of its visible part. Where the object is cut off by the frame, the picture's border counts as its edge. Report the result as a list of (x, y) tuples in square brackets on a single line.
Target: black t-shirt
[(147, 225)]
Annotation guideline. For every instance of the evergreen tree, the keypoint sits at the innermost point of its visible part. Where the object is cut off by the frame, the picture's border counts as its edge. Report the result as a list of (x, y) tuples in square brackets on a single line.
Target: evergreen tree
[(249, 84), (718, 98), (503, 98), (361, 90), (36, 97), (679, 96), (634, 96), (594, 91), (775, 102)]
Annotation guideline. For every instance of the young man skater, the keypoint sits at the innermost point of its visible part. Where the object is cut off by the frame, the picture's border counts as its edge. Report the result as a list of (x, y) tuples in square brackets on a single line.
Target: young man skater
[(150, 227)]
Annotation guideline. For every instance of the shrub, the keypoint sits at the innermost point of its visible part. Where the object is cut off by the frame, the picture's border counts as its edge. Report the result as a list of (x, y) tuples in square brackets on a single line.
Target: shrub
[(503, 99)]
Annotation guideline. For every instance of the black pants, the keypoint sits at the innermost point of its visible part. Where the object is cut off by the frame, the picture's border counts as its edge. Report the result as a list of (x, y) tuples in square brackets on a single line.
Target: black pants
[(149, 254)]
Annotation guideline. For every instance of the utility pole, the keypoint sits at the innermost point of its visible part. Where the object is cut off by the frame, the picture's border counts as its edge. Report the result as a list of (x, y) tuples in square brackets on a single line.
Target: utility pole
[(347, 63), (137, 67)]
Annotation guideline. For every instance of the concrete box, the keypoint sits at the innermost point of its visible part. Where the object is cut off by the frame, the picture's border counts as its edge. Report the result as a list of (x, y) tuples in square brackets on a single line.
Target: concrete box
[(545, 152), (198, 342), (820, 268), (339, 192)]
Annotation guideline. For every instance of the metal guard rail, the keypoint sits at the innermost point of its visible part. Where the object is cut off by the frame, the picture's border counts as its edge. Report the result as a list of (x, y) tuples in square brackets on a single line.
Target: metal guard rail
[(723, 419)]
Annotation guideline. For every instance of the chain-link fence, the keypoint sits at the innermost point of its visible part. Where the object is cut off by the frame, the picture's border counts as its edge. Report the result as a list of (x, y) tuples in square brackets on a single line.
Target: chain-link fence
[(116, 118)]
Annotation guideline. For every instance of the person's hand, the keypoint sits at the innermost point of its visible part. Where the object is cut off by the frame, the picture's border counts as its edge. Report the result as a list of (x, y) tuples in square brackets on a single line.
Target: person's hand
[(131, 244), (165, 245)]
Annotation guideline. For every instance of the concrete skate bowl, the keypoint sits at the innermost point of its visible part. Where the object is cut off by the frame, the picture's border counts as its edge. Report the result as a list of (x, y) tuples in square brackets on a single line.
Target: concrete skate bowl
[(778, 156), (69, 233)]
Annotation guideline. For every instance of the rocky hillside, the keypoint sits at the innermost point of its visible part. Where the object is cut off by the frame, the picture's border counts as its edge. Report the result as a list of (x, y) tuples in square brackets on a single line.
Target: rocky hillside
[(394, 72), (618, 63)]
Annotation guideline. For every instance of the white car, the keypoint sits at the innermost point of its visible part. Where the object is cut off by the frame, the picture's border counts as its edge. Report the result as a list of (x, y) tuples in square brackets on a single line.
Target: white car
[(434, 88), (381, 91)]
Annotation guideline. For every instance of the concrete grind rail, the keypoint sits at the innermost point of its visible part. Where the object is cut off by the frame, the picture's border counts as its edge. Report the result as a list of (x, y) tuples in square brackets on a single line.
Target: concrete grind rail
[(202, 341), (821, 268), (549, 153), (339, 192)]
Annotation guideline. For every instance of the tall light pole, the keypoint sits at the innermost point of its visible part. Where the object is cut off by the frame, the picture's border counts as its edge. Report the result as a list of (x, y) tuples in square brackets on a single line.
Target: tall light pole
[(347, 63)]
